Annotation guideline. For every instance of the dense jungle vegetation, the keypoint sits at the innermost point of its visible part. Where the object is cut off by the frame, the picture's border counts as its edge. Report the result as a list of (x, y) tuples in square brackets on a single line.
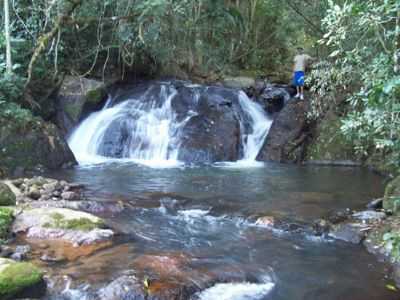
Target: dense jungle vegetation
[(356, 44)]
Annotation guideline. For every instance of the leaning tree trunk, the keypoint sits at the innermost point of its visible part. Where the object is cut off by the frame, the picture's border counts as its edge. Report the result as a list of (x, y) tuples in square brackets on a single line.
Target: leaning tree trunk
[(8, 37)]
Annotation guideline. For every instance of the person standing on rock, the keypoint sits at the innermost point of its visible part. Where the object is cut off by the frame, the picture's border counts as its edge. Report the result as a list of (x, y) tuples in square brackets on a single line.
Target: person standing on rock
[(301, 61)]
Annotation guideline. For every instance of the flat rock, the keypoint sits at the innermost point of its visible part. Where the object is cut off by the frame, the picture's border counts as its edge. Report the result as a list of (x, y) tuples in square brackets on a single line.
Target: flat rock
[(78, 228)]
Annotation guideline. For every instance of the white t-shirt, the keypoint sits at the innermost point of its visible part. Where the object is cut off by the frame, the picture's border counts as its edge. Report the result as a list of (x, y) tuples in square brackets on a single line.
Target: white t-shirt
[(301, 61)]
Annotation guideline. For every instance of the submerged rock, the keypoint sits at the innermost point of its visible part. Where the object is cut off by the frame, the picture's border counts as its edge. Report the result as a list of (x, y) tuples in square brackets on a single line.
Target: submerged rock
[(349, 232), (20, 280), (124, 288)]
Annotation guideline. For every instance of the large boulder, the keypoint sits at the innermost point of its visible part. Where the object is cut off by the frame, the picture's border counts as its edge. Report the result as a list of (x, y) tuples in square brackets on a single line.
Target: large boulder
[(78, 96), (29, 143), (7, 197), (329, 145), (284, 142), (20, 280), (214, 133)]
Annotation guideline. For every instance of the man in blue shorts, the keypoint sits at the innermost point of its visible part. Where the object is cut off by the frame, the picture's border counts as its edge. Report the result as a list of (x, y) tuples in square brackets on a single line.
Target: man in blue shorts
[(301, 61)]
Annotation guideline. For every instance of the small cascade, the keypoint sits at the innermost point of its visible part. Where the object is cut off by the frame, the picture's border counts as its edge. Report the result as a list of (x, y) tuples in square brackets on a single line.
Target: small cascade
[(259, 124), (147, 129)]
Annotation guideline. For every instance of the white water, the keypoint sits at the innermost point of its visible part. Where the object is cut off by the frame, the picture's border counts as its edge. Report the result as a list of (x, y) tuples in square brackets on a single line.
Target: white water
[(154, 130), (236, 291)]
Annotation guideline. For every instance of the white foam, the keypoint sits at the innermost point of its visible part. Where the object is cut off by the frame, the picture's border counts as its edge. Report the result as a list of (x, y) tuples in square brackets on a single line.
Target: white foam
[(236, 291)]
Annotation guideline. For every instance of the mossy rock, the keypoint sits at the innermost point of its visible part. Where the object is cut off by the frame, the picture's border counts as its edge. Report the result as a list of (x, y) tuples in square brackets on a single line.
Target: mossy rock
[(7, 197), (391, 200), (6, 219), (330, 145), (29, 144), (20, 279), (59, 221)]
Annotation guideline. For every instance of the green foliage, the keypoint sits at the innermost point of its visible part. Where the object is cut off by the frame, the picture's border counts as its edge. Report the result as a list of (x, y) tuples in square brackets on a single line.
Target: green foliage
[(391, 241), (363, 69)]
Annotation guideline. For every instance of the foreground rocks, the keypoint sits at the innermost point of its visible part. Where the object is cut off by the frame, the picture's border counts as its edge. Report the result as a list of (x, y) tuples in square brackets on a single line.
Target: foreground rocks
[(20, 280), (44, 189), (77, 228)]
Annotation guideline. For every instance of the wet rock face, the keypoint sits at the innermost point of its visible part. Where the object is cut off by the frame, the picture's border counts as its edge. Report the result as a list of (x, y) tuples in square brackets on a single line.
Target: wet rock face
[(284, 142), (207, 119), (214, 133), (78, 96), (32, 145)]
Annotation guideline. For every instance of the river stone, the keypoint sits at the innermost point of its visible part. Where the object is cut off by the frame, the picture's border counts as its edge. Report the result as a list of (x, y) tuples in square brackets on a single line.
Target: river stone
[(348, 232), (20, 280), (7, 197), (21, 252), (78, 228)]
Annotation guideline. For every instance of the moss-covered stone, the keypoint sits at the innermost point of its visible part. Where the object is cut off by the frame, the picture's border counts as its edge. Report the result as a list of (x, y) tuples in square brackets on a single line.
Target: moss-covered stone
[(83, 224), (7, 197), (391, 200), (17, 277), (31, 143), (76, 97), (6, 219), (330, 144)]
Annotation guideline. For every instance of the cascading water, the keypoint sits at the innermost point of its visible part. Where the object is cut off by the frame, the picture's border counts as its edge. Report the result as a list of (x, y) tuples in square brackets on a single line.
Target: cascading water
[(147, 129), (260, 125)]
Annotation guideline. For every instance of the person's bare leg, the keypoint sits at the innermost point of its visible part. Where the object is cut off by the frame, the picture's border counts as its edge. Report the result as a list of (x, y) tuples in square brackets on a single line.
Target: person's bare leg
[(298, 92), (302, 92)]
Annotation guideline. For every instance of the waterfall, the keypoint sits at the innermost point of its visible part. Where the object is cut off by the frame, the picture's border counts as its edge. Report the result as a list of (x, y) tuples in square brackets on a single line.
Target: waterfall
[(146, 129), (260, 125)]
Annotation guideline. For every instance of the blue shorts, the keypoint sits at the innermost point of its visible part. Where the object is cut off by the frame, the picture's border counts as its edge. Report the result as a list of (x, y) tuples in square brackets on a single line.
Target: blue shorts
[(298, 78)]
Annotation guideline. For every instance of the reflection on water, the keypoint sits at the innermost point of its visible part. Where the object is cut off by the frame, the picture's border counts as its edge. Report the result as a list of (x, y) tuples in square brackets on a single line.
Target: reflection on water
[(206, 212)]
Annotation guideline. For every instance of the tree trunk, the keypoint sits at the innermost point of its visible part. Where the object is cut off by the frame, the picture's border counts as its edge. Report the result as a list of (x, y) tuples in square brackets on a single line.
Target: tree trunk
[(8, 37)]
